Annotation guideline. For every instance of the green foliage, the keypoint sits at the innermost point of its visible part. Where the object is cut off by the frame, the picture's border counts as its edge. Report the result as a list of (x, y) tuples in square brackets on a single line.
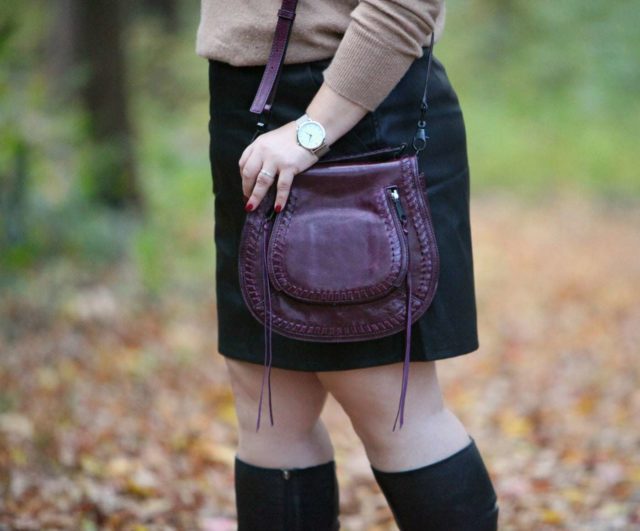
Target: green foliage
[(168, 92), (170, 102), (548, 92)]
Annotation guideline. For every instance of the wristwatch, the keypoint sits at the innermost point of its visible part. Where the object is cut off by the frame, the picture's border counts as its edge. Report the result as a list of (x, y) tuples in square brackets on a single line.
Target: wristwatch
[(311, 135)]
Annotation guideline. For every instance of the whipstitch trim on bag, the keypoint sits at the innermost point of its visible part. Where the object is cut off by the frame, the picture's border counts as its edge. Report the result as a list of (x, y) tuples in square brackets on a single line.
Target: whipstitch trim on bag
[(430, 266), (394, 318)]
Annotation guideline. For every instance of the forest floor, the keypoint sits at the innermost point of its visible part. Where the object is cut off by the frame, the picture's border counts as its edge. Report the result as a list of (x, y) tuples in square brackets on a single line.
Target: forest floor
[(116, 410)]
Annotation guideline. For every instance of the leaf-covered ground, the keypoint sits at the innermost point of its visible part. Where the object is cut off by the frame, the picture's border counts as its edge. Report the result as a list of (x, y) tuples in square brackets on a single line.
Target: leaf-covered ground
[(116, 412)]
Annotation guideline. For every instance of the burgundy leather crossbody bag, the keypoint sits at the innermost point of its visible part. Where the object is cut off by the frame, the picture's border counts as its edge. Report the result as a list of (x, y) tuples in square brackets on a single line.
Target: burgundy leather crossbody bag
[(352, 255)]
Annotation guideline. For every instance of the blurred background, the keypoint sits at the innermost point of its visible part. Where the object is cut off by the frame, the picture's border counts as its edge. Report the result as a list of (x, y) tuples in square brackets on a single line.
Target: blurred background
[(115, 408)]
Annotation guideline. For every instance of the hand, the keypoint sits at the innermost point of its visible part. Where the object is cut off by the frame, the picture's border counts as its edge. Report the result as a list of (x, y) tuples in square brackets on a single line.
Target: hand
[(278, 153)]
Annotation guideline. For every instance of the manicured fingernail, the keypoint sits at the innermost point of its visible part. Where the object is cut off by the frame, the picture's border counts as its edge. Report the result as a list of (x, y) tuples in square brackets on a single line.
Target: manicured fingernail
[(248, 207), (277, 208)]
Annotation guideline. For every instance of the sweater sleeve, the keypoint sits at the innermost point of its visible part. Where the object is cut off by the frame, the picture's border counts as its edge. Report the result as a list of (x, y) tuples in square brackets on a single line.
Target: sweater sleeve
[(381, 41)]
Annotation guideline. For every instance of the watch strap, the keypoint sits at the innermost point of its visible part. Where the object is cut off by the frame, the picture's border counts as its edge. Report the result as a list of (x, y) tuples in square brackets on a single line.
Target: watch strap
[(321, 150)]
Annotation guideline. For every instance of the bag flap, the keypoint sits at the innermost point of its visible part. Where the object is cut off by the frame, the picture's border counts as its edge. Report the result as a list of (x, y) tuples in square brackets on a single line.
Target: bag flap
[(340, 243)]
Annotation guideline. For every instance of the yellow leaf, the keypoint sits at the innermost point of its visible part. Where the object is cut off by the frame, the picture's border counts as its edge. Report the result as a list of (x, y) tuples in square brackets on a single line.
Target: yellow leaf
[(549, 516), (48, 378), (18, 456), (634, 475), (138, 489), (227, 412), (585, 404), (119, 466), (91, 465), (214, 452), (573, 495), (143, 483), (515, 425)]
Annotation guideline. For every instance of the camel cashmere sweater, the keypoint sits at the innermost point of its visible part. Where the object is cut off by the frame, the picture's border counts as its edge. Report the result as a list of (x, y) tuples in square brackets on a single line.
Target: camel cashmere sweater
[(372, 42)]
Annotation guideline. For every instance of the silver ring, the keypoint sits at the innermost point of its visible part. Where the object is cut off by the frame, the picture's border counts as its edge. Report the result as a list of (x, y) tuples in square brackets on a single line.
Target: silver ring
[(265, 172)]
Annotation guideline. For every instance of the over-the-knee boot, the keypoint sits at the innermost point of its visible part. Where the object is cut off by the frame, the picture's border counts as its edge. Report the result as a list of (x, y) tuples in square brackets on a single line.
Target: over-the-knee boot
[(287, 499), (454, 494)]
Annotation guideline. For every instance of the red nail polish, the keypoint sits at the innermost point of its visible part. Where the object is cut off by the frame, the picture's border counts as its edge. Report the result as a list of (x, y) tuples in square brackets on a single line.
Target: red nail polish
[(277, 208), (248, 207)]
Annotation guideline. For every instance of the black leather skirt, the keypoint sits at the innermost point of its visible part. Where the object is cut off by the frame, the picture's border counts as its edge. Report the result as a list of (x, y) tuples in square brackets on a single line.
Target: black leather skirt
[(449, 327)]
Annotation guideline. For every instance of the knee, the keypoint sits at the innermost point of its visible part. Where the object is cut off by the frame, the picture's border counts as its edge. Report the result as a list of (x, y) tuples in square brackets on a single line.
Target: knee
[(291, 425), (293, 419), (378, 437), (296, 406), (285, 430), (273, 446)]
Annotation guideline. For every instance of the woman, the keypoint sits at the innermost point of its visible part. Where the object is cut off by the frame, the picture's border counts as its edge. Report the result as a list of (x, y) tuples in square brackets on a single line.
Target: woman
[(357, 68)]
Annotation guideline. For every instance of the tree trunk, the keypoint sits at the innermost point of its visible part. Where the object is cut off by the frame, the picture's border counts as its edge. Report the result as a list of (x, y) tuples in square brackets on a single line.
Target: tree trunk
[(167, 10), (113, 170), (62, 50)]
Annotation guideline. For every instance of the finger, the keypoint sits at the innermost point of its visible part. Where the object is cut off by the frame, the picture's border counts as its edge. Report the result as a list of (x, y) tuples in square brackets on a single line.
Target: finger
[(245, 155), (263, 182), (285, 180), (250, 171)]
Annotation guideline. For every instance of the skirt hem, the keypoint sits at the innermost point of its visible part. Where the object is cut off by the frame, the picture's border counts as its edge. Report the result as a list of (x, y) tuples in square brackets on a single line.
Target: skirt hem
[(448, 352)]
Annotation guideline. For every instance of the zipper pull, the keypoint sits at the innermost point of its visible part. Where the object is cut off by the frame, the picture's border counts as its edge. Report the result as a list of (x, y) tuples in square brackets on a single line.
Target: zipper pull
[(395, 196)]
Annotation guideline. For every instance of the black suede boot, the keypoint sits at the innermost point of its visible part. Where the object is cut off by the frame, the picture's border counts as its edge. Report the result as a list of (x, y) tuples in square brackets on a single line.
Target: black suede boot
[(287, 499), (454, 494)]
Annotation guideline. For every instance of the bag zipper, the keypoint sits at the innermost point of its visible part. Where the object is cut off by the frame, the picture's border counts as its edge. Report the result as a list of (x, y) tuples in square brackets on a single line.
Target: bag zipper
[(400, 221), (395, 197)]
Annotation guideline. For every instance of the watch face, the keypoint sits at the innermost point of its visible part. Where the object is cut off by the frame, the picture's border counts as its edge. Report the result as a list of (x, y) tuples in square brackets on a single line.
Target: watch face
[(311, 135)]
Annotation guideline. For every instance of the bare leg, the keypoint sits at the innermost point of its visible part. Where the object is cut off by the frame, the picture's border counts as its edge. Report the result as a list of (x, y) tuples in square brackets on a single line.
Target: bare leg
[(285, 474), (370, 397), (430, 471), (298, 437)]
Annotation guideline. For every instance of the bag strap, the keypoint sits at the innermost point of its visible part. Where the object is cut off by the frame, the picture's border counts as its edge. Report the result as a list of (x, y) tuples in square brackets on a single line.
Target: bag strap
[(265, 95), (267, 90)]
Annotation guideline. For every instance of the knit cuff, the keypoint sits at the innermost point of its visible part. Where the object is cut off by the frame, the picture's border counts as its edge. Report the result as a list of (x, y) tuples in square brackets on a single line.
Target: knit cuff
[(365, 70)]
